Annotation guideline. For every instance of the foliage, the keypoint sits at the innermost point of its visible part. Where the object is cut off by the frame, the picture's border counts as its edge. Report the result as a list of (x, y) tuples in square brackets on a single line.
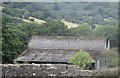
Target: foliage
[(46, 13), (103, 31), (111, 57), (12, 43), (83, 30), (107, 31), (81, 58), (26, 15), (17, 4), (56, 7), (31, 19), (38, 14), (13, 11), (9, 19), (90, 13), (53, 28), (29, 29)]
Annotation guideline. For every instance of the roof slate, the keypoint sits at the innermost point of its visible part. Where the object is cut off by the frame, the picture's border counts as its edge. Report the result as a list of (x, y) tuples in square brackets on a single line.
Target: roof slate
[(60, 49), (53, 55), (66, 42)]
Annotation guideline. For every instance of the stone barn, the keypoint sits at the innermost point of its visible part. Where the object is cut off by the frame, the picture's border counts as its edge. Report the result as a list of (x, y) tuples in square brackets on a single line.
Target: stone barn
[(58, 50)]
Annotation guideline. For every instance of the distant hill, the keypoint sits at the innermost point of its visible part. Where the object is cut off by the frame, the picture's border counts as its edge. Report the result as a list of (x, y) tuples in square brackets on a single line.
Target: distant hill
[(76, 13)]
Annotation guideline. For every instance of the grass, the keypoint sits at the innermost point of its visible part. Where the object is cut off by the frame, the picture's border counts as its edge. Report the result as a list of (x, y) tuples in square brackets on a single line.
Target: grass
[(70, 24), (39, 21), (35, 20), (25, 20)]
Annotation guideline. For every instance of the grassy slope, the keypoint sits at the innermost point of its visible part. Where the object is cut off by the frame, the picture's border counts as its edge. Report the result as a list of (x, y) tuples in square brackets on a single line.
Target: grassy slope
[(39, 21), (70, 24), (35, 20)]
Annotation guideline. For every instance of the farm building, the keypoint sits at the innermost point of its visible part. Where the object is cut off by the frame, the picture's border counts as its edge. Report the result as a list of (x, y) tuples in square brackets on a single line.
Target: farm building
[(58, 49)]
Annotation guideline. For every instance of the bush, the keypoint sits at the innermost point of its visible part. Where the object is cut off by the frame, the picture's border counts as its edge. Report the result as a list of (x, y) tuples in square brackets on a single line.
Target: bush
[(111, 57), (81, 58), (31, 19)]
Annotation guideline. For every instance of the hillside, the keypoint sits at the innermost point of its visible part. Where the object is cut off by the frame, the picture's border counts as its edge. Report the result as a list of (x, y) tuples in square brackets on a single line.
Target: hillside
[(39, 21), (78, 13)]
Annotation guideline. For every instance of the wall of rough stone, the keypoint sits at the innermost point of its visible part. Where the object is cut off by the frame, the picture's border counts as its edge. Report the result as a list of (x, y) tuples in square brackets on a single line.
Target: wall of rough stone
[(53, 71)]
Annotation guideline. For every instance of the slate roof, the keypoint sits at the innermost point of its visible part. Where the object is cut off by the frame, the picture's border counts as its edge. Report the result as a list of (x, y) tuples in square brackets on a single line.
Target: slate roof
[(52, 55), (59, 48), (66, 42)]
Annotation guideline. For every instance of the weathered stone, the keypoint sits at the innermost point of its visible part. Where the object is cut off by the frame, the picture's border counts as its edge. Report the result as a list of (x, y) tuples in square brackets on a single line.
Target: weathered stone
[(54, 71)]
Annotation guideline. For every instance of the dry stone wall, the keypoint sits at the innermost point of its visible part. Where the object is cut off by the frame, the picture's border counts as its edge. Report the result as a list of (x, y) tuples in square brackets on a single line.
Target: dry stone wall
[(53, 71)]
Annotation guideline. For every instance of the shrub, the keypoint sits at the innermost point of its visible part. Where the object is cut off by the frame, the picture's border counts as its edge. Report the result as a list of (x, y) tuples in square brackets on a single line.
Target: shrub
[(81, 58), (111, 57), (31, 19)]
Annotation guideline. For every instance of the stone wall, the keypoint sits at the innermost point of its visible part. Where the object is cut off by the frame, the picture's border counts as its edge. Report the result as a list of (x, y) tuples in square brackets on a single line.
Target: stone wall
[(53, 71)]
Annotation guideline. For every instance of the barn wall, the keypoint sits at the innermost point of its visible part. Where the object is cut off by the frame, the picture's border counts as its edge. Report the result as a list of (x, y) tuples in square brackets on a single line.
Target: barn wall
[(53, 71)]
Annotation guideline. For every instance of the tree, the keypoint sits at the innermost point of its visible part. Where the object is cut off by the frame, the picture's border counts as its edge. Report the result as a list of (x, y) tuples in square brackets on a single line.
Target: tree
[(29, 8), (9, 19), (17, 4), (29, 29), (32, 19), (54, 28), (56, 7), (107, 31), (83, 30), (13, 11), (12, 43), (38, 14), (46, 13), (103, 31), (111, 57), (81, 58), (15, 39), (26, 15)]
